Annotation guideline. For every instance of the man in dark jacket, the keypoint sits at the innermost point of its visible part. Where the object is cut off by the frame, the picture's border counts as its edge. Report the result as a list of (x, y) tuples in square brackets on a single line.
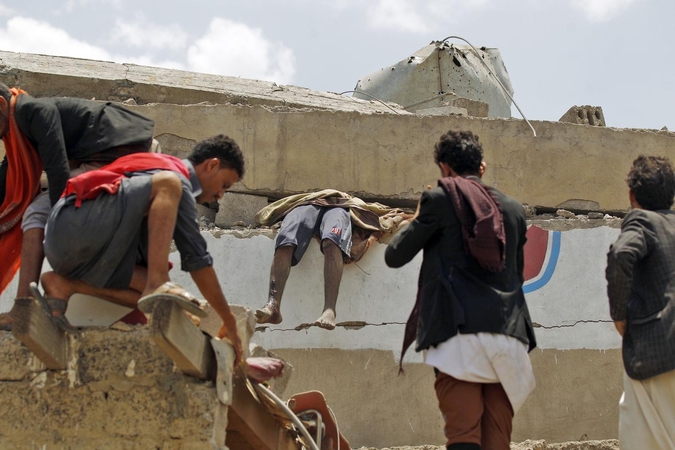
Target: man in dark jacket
[(470, 313), (640, 274), (64, 136)]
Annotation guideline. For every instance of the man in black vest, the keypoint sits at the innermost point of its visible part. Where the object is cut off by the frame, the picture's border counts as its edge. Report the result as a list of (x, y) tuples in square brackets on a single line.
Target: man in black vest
[(69, 136), (470, 314), (640, 274)]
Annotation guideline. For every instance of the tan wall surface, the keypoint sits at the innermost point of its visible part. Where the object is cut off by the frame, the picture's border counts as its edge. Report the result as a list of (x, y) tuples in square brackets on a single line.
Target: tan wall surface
[(577, 394), (390, 156), (348, 144)]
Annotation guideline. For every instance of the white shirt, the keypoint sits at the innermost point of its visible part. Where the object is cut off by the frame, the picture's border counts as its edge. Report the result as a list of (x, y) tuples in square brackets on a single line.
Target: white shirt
[(487, 358)]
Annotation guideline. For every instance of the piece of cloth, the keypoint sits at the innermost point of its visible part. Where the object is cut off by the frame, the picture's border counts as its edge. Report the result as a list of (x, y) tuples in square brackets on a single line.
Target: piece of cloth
[(481, 219), (117, 224), (640, 272), (21, 174), (487, 358), (98, 242), (63, 129), (369, 220), (474, 413), (264, 368), (107, 179), (455, 293), (647, 413), (37, 213), (306, 221)]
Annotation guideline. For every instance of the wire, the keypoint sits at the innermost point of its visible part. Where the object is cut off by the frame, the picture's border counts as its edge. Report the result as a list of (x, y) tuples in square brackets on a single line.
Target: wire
[(373, 97), (496, 78)]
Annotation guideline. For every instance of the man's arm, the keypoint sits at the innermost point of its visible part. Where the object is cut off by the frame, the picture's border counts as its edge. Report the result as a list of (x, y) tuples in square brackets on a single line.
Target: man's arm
[(631, 246), (208, 284), (412, 238), (41, 123), (196, 260)]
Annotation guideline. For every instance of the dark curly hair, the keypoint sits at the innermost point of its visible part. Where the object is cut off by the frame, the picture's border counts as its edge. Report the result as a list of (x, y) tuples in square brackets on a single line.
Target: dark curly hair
[(5, 92), (221, 147), (652, 181), (461, 151)]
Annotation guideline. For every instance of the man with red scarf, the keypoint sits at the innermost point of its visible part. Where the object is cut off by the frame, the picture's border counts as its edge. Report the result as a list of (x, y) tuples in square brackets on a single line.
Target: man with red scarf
[(61, 136), (110, 233)]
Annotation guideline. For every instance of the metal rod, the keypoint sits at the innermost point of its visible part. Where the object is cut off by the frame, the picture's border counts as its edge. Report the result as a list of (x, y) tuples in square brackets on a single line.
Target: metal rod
[(291, 415)]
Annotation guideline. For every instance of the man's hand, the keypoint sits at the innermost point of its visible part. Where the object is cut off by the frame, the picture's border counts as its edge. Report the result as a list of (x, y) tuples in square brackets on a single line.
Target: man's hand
[(620, 326), (207, 282), (229, 330)]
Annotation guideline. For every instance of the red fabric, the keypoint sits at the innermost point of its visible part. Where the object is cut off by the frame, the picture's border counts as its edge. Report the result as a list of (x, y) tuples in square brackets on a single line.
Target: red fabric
[(481, 219), (264, 368), (22, 184), (108, 178)]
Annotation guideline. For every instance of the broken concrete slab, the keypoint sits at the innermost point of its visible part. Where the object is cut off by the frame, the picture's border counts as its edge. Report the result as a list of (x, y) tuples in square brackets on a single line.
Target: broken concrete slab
[(46, 76), (389, 157), (235, 208)]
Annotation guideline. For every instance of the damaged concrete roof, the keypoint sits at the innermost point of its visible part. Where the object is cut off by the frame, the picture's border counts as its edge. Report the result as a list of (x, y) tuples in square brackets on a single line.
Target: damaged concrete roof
[(119, 82)]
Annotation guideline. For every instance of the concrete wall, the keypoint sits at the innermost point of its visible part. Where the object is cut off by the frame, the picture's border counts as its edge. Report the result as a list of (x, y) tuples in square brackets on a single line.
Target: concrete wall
[(577, 364), (296, 140), (120, 392)]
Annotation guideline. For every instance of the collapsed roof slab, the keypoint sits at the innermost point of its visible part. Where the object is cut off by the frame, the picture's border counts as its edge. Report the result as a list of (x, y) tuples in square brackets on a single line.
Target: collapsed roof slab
[(389, 157), (360, 147), (47, 76)]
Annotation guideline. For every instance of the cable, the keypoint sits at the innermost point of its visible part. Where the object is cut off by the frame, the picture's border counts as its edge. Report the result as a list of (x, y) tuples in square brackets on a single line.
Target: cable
[(496, 78), (373, 97), (291, 415)]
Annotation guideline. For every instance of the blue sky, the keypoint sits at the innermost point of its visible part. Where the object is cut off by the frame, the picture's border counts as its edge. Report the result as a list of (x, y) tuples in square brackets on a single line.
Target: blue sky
[(610, 53)]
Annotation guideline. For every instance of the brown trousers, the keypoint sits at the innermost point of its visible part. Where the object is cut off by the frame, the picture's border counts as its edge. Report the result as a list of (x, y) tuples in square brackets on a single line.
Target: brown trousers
[(474, 413)]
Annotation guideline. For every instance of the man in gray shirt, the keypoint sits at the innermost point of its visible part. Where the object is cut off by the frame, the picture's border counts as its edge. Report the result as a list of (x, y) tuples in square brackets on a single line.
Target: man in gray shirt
[(109, 235)]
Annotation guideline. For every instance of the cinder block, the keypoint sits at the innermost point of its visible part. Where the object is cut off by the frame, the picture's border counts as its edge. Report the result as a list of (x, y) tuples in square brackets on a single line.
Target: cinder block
[(236, 207), (584, 115)]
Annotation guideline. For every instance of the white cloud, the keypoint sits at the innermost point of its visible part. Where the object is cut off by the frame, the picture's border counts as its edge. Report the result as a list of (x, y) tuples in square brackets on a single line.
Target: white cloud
[(397, 15), (234, 49), (24, 34), (141, 33), (32, 36), (6, 11), (602, 10)]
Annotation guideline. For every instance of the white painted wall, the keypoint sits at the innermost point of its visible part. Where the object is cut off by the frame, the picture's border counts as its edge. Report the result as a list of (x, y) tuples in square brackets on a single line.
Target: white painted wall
[(571, 307)]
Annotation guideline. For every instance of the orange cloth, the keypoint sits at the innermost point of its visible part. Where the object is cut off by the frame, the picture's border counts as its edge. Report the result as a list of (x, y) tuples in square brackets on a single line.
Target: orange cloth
[(23, 183)]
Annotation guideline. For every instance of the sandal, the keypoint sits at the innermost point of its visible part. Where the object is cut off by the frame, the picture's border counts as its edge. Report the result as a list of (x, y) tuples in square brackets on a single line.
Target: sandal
[(53, 305), (6, 322), (183, 298)]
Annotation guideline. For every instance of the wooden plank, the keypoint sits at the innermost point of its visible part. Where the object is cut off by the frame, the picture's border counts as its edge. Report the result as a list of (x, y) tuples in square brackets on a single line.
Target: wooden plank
[(37, 331), (179, 338), (251, 426)]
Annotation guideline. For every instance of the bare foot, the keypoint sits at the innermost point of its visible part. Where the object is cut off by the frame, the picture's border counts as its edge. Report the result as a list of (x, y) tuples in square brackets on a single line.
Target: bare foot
[(268, 314), (327, 320)]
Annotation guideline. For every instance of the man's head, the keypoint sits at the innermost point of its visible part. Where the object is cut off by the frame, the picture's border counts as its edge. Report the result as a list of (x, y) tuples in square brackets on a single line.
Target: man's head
[(219, 164), (5, 97), (458, 153), (651, 181)]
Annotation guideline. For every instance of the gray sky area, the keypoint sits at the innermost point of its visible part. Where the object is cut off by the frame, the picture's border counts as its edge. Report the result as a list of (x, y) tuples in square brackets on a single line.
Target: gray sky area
[(610, 53)]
